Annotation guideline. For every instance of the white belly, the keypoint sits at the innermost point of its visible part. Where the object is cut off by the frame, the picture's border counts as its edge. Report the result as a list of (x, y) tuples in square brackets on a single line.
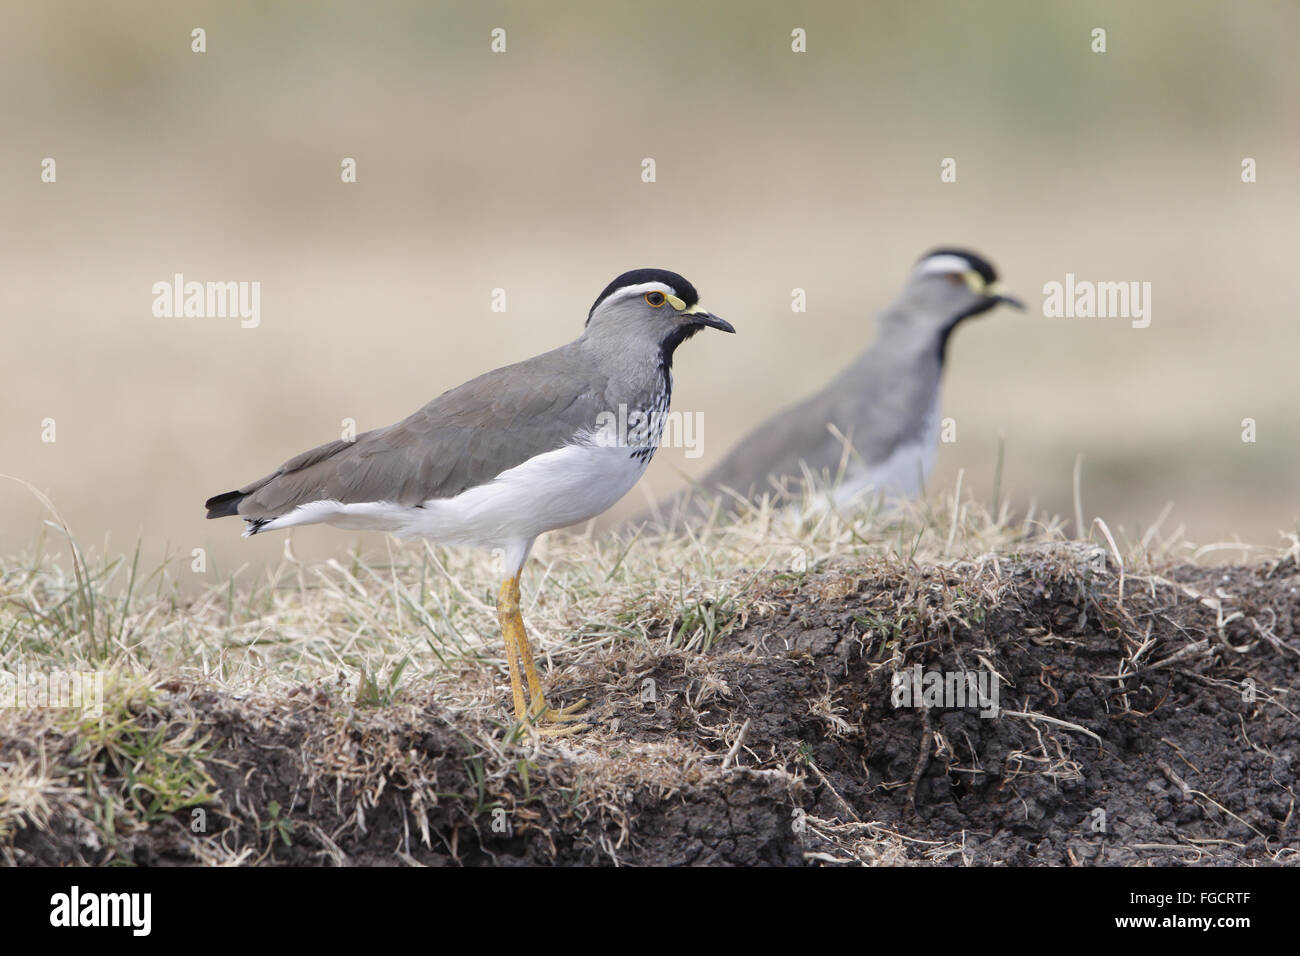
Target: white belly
[(552, 490), (562, 487)]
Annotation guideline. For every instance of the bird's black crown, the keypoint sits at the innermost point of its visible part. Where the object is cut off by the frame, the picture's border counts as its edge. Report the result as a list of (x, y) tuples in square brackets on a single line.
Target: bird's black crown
[(977, 262), (681, 288)]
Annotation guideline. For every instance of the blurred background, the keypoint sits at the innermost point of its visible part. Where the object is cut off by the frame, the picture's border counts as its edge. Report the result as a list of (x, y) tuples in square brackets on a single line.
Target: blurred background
[(522, 171)]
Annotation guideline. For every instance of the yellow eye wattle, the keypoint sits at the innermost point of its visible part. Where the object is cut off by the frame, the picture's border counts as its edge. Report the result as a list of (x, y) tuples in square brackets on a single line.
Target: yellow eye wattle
[(971, 279), (654, 299)]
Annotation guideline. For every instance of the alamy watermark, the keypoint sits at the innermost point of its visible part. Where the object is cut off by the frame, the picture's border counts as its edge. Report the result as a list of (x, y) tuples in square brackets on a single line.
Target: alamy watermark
[(637, 428), (1084, 299), (208, 300), (74, 908), (952, 689), (65, 690)]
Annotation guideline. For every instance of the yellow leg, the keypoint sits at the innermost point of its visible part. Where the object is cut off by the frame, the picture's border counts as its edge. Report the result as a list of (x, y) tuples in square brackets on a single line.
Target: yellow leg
[(516, 638), (512, 627), (538, 706)]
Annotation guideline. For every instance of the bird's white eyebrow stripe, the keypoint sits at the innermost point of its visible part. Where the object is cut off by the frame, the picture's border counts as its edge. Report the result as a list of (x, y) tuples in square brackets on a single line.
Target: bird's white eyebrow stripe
[(641, 288), (942, 264)]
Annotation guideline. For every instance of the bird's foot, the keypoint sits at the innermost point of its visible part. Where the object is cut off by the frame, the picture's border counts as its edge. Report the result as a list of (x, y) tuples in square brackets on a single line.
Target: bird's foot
[(558, 721), (541, 710), (560, 730)]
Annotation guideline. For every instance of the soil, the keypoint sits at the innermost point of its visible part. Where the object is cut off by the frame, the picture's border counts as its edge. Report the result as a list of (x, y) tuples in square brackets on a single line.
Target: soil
[(1153, 726)]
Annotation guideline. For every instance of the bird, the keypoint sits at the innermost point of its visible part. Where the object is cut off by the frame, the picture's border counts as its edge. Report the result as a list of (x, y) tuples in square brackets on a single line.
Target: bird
[(507, 456), (875, 426)]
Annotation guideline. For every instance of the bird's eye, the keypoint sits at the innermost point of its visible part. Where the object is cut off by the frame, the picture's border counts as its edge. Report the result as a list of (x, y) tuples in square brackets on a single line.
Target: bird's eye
[(956, 278), (654, 299)]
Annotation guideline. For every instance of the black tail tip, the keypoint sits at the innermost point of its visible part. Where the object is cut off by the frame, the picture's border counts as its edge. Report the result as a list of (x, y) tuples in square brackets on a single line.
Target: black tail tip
[(224, 506)]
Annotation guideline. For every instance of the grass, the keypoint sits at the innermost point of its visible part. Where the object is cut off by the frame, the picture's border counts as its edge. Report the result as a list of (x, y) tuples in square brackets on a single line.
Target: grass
[(136, 763), (421, 613)]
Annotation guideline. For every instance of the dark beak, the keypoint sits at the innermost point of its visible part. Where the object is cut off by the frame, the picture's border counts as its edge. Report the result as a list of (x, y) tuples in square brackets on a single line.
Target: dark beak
[(1010, 300), (711, 320)]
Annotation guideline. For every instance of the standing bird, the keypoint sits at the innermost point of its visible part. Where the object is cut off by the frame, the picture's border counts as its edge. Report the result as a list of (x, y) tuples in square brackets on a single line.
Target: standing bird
[(509, 455), (875, 426)]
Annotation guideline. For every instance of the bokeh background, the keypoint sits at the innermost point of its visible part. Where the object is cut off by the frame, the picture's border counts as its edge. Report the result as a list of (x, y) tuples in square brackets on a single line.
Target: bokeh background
[(521, 170)]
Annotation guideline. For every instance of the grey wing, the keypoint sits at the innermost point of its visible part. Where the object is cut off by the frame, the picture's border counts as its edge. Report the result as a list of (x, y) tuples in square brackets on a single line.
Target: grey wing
[(464, 437), (864, 423), (776, 448)]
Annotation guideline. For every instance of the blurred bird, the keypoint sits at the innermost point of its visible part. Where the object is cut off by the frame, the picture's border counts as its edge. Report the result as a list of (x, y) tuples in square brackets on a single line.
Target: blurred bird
[(507, 456), (875, 426)]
